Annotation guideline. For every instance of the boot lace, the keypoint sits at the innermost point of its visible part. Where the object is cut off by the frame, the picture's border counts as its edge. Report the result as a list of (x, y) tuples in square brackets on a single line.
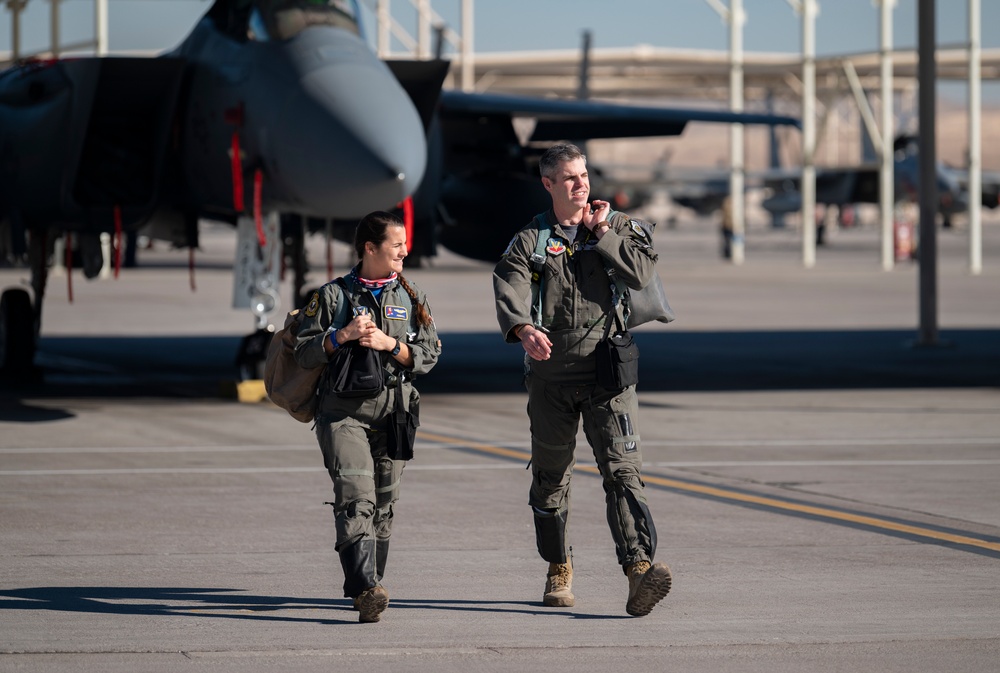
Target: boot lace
[(560, 579), (638, 569)]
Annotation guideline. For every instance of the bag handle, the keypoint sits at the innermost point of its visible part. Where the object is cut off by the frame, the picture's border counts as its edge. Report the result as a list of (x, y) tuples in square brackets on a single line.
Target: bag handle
[(608, 320), (399, 394), (619, 290)]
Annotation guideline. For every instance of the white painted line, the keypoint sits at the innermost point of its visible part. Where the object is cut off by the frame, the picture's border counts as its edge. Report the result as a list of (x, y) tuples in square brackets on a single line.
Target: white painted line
[(502, 466), (160, 449), (922, 441), (883, 441), (827, 463), (158, 470)]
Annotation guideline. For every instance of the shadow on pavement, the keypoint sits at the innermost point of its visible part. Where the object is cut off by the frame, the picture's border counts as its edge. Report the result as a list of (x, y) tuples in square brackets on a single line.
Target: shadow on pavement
[(231, 603), (752, 360), (199, 367), (201, 602)]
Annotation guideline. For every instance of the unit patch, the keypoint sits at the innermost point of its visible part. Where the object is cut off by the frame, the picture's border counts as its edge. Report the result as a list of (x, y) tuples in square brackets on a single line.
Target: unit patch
[(395, 312), (361, 310), (555, 247), (637, 229), (509, 246), (313, 306)]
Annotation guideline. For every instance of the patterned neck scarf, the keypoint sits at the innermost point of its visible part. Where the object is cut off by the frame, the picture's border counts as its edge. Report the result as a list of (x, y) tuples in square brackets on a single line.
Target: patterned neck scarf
[(373, 285)]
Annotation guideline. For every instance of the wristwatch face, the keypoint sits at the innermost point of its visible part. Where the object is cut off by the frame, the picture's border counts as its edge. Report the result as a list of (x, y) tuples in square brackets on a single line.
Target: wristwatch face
[(395, 351)]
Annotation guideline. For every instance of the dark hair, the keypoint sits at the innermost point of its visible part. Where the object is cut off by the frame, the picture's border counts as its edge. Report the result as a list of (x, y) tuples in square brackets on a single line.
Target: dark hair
[(372, 229), (557, 154)]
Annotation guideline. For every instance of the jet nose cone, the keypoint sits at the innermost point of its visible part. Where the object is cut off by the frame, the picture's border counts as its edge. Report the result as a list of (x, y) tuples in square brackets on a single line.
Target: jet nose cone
[(351, 140)]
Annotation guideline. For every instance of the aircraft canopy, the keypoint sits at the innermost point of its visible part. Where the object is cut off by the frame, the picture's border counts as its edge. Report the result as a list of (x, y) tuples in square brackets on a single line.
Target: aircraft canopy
[(284, 19)]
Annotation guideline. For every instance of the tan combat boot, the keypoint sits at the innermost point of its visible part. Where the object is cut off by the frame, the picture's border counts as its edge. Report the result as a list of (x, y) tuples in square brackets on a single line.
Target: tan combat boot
[(647, 585), (371, 604), (559, 586)]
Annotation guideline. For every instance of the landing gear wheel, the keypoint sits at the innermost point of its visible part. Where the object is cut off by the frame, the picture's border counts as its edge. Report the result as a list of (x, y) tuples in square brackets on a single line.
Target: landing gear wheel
[(252, 354), (17, 332)]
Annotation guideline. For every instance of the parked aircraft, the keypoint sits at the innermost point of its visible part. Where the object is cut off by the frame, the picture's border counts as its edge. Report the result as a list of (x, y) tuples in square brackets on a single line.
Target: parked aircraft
[(248, 113), (860, 184), (272, 106), (489, 184)]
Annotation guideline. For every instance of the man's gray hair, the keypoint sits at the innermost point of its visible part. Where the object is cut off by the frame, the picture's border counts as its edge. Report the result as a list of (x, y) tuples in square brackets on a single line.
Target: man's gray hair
[(557, 154)]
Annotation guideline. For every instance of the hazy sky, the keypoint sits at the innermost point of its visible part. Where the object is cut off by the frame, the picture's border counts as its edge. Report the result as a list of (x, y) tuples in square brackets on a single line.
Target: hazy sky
[(843, 27)]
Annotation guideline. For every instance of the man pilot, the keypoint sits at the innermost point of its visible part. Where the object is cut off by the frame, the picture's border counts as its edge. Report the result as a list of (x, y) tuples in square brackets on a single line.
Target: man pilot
[(559, 342)]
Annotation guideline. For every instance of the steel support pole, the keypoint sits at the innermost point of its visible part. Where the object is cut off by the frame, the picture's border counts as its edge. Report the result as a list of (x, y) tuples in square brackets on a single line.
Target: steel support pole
[(808, 133), (736, 171), (15, 28), (927, 75), (887, 195), (383, 20), (54, 28), (975, 142), (101, 27), (423, 29), (468, 53)]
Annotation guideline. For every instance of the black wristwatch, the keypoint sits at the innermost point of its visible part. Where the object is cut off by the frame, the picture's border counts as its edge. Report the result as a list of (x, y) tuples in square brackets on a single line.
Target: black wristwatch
[(395, 351)]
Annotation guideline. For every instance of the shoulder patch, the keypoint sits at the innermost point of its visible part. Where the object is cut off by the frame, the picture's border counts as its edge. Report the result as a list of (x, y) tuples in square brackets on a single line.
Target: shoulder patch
[(555, 247), (509, 246), (636, 228), (313, 306)]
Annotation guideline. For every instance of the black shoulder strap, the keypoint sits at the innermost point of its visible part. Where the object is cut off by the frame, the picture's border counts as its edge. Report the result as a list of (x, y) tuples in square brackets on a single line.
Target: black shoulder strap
[(619, 290), (340, 317), (538, 266)]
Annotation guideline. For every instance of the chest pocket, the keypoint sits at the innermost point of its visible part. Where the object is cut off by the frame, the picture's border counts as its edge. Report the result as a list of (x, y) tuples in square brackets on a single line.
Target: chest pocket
[(564, 286), (397, 316)]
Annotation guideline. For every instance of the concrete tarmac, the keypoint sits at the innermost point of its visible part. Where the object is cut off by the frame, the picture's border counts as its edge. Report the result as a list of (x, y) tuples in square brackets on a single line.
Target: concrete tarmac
[(824, 491)]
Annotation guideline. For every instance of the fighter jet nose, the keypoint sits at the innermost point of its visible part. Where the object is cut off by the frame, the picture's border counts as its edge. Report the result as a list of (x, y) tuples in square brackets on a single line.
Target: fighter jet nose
[(357, 143)]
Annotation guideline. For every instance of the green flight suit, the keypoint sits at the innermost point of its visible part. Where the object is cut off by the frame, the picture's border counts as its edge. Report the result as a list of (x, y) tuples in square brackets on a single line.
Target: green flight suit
[(351, 431), (576, 295)]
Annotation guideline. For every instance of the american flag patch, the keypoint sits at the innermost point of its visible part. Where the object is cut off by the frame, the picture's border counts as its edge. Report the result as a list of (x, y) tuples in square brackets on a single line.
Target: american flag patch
[(395, 313)]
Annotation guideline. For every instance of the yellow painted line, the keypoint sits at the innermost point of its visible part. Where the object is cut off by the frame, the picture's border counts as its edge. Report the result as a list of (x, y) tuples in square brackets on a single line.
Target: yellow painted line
[(485, 448), (823, 512), (726, 494)]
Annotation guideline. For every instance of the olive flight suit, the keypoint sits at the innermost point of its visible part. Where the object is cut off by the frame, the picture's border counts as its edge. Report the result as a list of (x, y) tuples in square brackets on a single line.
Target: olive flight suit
[(352, 431), (576, 294)]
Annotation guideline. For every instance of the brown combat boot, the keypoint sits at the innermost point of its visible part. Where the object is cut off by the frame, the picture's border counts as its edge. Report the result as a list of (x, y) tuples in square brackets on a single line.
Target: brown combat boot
[(371, 604), (647, 585), (559, 586)]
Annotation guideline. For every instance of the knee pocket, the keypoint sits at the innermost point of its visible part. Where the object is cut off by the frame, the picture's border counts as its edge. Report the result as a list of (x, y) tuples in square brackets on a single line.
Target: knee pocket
[(551, 462), (347, 455), (612, 425)]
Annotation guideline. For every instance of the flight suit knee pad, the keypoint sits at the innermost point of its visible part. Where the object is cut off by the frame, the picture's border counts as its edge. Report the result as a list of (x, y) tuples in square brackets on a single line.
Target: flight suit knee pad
[(631, 523), (550, 534), (358, 561)]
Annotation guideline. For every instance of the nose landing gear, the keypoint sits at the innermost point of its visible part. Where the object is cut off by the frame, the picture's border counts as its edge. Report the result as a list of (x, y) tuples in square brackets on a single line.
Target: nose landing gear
[(17, 333)]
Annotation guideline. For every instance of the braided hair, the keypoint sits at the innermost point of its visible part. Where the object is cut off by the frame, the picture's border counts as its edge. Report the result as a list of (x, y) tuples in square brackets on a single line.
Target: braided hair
[(372, 229)]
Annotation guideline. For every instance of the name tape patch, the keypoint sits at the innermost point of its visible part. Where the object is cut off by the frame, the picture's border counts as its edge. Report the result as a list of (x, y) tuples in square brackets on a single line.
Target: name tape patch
[(395, 312)]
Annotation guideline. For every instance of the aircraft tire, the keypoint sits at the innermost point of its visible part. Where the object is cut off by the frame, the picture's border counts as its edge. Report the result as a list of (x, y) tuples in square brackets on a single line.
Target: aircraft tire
[(17, 331)]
